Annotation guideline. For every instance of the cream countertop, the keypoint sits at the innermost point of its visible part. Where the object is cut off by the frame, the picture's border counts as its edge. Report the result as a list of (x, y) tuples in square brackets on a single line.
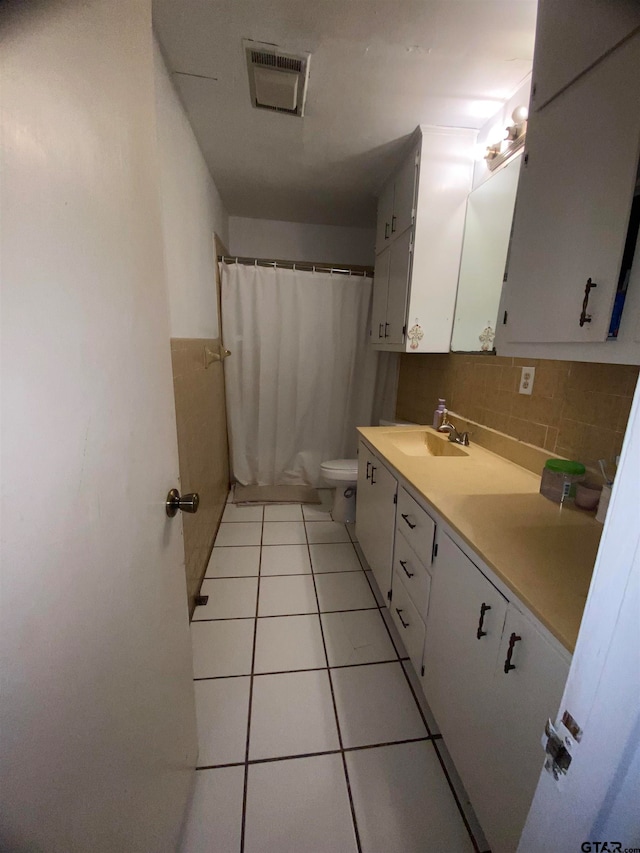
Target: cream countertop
[(544, 553)]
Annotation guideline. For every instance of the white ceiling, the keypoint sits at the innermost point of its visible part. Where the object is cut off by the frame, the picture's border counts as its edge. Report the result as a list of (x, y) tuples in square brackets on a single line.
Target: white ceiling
[(378, 68)]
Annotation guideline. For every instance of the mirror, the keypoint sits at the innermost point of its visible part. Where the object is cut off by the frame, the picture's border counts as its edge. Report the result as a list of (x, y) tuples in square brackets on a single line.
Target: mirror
[(484, 254)]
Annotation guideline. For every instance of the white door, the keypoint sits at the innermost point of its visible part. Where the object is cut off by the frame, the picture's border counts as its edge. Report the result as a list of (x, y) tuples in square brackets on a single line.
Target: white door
[(597, 799), (399, 270), (379, 302), (573, 204), (404, 197), (464, 627), (385, 212), (376, 515), (97, 711), (524, 695)]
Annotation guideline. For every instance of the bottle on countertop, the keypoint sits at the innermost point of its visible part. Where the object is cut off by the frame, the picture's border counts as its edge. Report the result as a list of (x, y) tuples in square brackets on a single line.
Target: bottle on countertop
[(439, 413)]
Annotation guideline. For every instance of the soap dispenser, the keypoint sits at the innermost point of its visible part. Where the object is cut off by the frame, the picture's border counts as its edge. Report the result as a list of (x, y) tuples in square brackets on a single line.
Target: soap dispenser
[(439, 413)]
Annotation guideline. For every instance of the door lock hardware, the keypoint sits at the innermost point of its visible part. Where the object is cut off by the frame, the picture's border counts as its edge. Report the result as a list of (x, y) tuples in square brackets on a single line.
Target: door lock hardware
[(558, 756), (186, 503)]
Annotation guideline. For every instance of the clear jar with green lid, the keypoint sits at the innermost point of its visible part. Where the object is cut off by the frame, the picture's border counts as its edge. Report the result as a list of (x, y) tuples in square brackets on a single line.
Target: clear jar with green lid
[(559, 478)]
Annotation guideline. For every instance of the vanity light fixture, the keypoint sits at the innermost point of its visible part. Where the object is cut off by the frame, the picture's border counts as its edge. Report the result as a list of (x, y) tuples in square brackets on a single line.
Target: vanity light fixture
[(497, 153)]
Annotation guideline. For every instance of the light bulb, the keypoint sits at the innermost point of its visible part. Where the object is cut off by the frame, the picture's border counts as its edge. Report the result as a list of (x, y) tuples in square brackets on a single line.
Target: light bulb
[(520, 114)]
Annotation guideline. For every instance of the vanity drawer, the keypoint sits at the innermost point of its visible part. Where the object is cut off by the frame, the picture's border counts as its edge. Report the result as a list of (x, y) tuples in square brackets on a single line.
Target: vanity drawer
[(415, 577), (408, 621), (416, 525)]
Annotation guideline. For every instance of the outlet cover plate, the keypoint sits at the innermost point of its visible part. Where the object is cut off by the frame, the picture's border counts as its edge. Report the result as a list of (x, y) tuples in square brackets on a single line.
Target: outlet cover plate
[(526, 380)]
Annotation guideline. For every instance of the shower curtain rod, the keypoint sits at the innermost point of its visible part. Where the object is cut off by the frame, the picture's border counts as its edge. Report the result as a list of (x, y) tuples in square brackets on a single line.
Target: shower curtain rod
[(295, 265)]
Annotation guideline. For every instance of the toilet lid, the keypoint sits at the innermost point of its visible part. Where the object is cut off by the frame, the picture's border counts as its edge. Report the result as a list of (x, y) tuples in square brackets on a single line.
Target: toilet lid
[(341, 466)]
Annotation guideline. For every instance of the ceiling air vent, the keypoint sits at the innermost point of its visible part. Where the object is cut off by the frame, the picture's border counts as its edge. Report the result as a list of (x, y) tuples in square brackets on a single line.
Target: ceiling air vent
[(277, 80)]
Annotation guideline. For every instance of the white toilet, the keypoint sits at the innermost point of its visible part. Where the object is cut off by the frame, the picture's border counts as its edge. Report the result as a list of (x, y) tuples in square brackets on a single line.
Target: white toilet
[(342, 475)]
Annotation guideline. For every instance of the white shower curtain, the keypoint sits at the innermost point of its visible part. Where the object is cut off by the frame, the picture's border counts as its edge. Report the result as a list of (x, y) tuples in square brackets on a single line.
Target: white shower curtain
[(301, 375)]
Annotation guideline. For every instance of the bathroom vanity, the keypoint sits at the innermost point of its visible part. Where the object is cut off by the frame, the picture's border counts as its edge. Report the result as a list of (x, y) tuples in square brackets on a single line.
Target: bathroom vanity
[(486, 581)]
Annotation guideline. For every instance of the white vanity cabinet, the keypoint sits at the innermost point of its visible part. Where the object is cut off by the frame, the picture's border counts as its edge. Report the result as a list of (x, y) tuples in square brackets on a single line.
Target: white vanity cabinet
[(491, 679), (411, 584), (376, 515), (421, 215)]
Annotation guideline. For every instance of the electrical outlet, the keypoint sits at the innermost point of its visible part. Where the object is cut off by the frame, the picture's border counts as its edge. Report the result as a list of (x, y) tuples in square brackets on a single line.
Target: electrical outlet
[(526, 380)]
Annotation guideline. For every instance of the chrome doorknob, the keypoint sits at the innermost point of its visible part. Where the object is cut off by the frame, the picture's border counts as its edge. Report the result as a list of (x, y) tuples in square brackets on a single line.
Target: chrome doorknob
[(186, 503)]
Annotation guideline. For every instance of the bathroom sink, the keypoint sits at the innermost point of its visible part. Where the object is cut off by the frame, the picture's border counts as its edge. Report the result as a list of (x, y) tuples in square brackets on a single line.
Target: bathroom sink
[(425, 444)]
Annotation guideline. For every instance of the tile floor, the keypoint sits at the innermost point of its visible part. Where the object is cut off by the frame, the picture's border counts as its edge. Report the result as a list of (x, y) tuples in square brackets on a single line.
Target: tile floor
[(313, 734)]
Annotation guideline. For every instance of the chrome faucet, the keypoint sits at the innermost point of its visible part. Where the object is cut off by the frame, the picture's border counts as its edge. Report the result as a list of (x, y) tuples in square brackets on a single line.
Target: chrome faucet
[(454, 436)]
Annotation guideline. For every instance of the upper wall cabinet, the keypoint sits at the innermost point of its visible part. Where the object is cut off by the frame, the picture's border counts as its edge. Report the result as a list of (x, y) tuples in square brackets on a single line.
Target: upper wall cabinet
[(421, 214), (572, 35), (574, 233), (396, 203)]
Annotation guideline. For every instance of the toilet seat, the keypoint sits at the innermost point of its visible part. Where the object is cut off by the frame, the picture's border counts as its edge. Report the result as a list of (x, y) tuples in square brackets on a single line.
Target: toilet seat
[(343, 470)]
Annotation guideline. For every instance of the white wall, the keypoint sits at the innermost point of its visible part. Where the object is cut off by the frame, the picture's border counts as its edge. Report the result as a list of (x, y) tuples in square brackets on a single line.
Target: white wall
[(296, 241), (192, 212)]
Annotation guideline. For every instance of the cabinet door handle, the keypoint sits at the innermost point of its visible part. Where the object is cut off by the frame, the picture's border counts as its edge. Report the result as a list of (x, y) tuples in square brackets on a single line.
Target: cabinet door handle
[(393, 223), (386, 333), (483, 609), (373, 468), (584, 317), (508, 666), (386, 230), (406, 518), (399, 612), (368, 465), (403, 563), (380, 328)]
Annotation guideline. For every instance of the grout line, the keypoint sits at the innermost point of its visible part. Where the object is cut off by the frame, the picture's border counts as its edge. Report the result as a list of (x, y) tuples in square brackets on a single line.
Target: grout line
[(387, 743), (284, 615), (220, 766), (253, 658), (457, 799), (335, 711), (285, 574), (275, 758), (294, 671)]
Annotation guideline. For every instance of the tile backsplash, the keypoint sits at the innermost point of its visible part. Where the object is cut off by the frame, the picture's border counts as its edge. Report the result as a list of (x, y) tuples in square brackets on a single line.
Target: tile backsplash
[(577, 409)]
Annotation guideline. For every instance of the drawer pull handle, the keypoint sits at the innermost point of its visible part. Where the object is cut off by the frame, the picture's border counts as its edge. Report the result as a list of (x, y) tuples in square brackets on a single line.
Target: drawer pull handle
[(403, 563), (483, 609), (373, 468), (508, 666), (386, 230), (386, 332), (399, 612), (393, 223), (380, 328), (368, 466), (406, 518)]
